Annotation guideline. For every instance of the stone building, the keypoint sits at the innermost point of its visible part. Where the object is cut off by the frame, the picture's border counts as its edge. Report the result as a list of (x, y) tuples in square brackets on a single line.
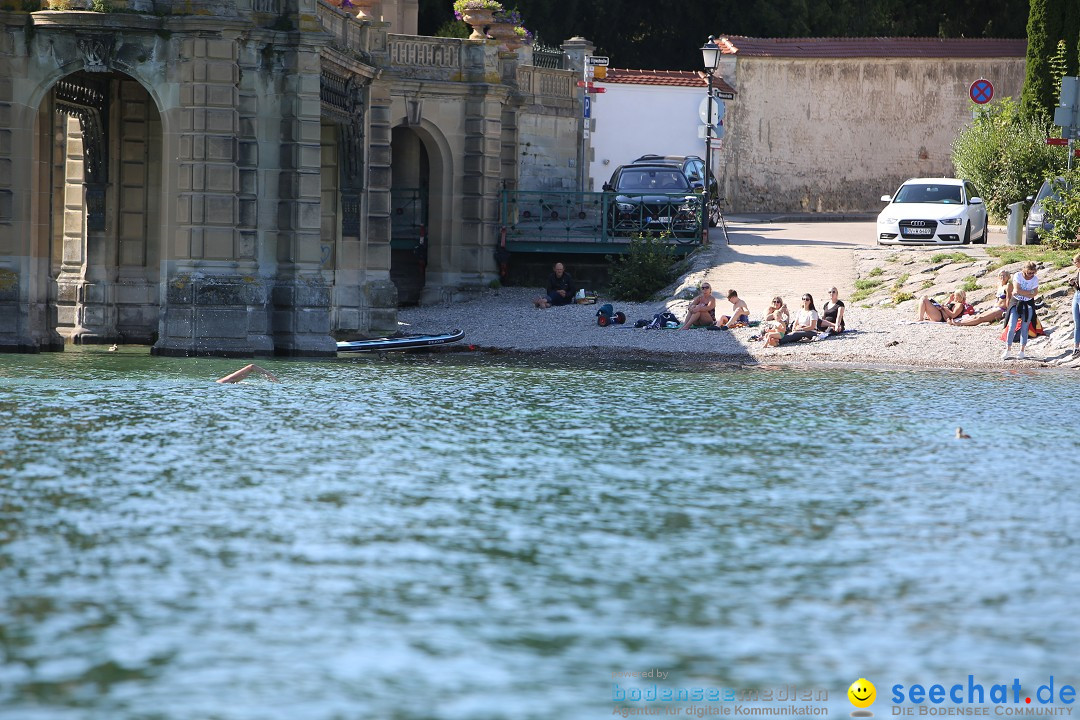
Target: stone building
[(832, 124), (227, 176)]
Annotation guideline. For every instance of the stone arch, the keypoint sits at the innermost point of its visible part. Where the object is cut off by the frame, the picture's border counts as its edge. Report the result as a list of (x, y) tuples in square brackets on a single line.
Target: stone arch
[(442, 226), (99, 181)]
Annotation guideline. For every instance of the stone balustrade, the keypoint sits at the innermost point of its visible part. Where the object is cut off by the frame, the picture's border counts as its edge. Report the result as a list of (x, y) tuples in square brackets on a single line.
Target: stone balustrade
[(547, 82), (428, 52)]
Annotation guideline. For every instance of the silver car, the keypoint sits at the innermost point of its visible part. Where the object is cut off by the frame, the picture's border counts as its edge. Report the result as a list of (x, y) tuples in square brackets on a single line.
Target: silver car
[(1036, 219)]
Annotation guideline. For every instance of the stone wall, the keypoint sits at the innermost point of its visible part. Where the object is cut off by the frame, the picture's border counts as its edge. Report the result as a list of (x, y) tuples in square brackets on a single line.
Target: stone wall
[(832, 135)]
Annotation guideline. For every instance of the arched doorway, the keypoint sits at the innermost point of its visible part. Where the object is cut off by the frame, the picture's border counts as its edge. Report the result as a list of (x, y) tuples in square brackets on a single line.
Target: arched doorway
[(410, 225), (99, 186)]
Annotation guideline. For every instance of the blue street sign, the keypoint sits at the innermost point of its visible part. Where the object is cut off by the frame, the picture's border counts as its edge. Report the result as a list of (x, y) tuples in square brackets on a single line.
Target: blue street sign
[(588, 106)]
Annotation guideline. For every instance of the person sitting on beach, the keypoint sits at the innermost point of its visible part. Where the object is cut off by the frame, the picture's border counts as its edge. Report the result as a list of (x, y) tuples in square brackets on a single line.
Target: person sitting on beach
[(740, 313), (804, 326), (702, 310), (778, 311), (560, 288), (772, 332), (775, 324), (832, 313), (954, 307), (1003, 297)]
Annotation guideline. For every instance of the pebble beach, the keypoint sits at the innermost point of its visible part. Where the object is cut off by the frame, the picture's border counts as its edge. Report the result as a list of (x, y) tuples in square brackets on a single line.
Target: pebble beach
[(881, 331)]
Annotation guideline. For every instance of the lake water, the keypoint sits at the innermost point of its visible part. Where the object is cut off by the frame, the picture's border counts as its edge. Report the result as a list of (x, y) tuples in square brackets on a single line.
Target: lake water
[(446, 536)]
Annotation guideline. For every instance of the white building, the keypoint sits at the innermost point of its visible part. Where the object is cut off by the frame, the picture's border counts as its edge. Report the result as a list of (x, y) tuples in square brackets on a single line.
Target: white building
[(647, 111)]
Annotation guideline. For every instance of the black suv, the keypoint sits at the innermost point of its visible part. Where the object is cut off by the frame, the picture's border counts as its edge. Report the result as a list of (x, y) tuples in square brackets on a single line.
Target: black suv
[(693, 168), (653, 198)]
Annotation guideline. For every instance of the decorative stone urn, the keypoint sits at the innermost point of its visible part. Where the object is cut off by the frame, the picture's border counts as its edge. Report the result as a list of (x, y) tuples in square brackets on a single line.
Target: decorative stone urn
[(478, 19), (505, 33), (360, 9)]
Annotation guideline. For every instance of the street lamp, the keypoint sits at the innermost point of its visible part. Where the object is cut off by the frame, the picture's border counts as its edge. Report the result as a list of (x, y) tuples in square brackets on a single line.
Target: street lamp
[(710, 57)]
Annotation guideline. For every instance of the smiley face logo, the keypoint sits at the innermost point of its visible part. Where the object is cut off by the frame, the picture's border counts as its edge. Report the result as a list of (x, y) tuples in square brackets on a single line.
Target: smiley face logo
[(862, 693)]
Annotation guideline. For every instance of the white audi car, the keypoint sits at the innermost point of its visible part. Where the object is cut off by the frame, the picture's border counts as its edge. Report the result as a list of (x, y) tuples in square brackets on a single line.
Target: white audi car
[(943, 211)]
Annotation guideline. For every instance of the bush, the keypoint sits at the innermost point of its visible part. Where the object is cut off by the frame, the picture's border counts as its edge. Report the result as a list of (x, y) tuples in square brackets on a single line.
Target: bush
[(1064, 214), (1005, 154), (645, 269)]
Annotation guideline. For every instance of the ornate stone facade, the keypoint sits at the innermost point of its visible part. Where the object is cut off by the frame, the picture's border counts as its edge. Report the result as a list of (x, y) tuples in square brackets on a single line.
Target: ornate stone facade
[(219, 177)]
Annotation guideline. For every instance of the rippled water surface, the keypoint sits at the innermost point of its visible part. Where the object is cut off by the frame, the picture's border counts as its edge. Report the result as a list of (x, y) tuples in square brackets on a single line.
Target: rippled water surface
[(459, 537)]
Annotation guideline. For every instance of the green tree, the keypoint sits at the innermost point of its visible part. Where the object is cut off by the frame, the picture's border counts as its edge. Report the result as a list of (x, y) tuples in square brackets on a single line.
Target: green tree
[(1071, 36), (1004, 152), (1063, 213), (1046, 20)]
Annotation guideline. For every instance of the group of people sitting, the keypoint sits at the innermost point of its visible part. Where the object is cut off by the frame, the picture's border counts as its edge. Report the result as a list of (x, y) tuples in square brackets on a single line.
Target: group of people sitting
[(956, 310), (1014, 302), (702, 311), (779, 326)]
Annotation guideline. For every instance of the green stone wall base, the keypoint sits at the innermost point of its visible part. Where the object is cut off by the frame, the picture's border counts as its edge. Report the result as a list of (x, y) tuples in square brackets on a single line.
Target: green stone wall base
[(90, 337), (16, 317), (301, 317), (224, 316), (25, 344), (172, 348)]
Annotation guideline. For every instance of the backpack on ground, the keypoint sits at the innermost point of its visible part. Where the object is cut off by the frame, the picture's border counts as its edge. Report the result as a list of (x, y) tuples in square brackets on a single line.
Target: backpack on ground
[(662, 320)]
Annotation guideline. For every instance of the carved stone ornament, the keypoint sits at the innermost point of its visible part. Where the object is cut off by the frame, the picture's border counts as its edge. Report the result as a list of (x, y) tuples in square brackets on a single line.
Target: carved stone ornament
[(352, 135), (87, 100), (97, 50)]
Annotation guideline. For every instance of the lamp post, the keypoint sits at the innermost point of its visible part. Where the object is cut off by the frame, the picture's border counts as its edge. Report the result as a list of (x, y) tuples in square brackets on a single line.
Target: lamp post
[(710, 56)]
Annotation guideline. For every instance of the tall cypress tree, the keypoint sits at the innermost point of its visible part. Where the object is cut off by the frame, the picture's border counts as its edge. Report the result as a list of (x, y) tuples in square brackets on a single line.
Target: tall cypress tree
[(1071, 34), (1046, 20)]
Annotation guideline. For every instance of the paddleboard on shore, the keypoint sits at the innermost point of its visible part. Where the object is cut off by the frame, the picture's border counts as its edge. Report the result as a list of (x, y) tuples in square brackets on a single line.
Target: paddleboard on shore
[(404, 342)]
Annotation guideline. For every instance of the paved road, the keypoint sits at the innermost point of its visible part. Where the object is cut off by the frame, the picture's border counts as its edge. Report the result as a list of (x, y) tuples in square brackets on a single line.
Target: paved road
[(766, 258)]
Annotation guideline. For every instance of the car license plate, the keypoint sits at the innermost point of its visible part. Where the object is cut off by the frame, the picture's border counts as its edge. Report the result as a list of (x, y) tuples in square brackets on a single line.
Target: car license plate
[(918, 231)]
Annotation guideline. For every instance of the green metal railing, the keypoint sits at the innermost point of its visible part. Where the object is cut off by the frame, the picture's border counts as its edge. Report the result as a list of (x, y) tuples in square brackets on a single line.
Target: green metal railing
[(598, 221)]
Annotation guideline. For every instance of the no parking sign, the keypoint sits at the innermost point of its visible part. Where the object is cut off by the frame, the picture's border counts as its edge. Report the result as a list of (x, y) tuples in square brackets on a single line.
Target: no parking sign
[(981, 91)]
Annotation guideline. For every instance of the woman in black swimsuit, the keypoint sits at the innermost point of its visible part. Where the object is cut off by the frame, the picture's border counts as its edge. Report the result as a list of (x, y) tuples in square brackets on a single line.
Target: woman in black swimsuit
[(832, 313)]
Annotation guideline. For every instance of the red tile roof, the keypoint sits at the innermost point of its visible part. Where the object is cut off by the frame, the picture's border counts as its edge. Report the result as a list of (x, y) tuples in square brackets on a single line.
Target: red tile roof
[(872, 47), (677, 78)]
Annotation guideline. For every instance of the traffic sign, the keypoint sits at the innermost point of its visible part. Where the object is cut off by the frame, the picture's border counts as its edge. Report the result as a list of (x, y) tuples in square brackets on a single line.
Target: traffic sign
[(724, 95), (595, 90), (587, 107), (596, 60), (981, 91), (1057, 141), (703, 111), (1067, 113)]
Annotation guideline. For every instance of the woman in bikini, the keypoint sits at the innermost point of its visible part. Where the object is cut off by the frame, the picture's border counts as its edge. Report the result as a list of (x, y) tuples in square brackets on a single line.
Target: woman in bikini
[(953, 308), (702, 310), (996, 313)]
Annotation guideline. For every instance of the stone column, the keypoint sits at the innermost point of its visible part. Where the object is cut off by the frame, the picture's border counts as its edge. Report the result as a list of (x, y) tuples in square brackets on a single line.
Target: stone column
[(301, 294), (471, 263), (211, 304), (16, 334), (379, 294)]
